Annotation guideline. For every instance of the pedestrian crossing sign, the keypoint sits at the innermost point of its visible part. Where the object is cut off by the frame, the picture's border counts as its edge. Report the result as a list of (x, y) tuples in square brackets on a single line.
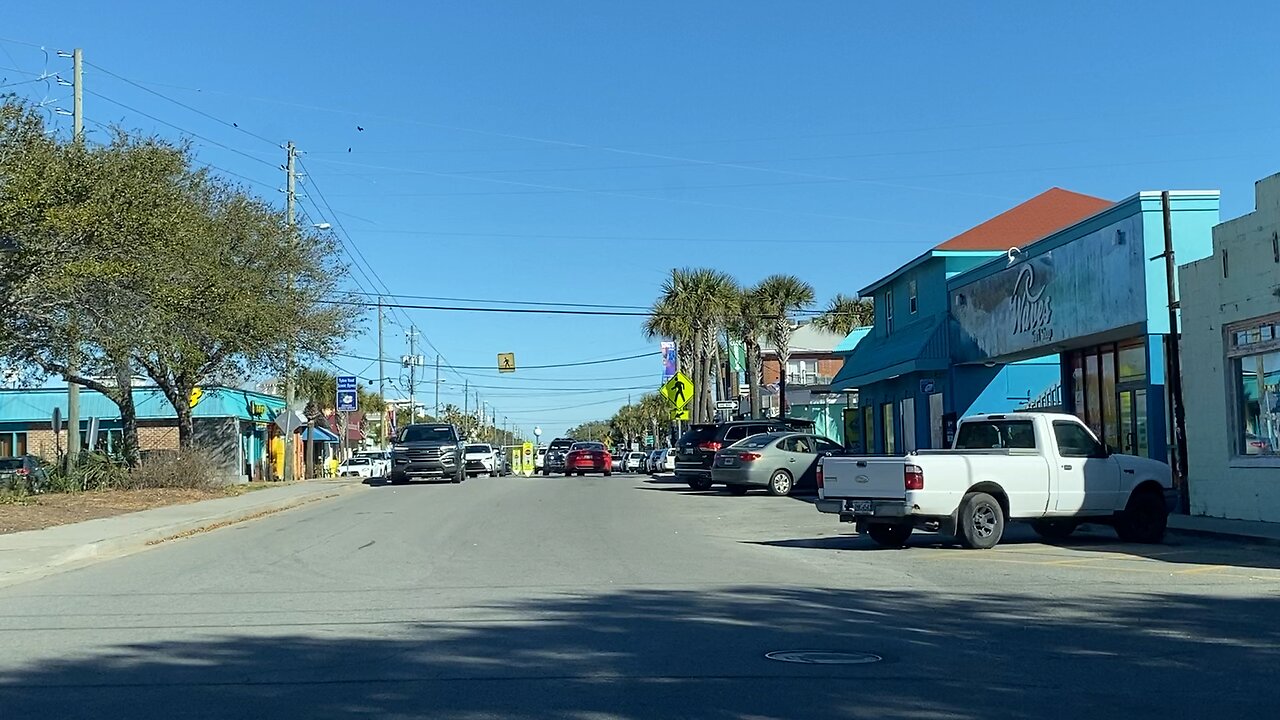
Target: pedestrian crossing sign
[(678, 391), (680, 414)]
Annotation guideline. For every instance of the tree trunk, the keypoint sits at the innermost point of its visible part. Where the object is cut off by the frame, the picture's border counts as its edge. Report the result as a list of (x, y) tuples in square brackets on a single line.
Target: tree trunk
[(129, 444), (784, 354), (186, 432)]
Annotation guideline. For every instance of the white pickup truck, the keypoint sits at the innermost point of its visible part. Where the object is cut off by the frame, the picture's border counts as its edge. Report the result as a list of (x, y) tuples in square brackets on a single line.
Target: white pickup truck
[(1045, 468)]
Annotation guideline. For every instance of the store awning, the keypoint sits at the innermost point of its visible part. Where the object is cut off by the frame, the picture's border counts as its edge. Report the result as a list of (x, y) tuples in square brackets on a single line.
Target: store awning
[(319, 434), (918, 347)]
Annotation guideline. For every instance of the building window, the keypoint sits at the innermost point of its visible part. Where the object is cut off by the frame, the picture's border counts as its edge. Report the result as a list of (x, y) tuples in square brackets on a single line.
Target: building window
[(888, 311), (890, 437), (912, 304), (1254, 355), (13, 444), (869, 430), (802, 372)]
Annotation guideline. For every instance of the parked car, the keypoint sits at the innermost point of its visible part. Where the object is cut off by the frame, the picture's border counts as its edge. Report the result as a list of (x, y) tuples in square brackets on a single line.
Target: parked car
[(780, 462), (634, 462), (23, 473), (667, 461), (359, 466), (697, 448), (480, 460), (1044, 468), (538, 457), (585, 457), (556, 450), (428, 450), (651, 462), (618, 457), (381, 460)]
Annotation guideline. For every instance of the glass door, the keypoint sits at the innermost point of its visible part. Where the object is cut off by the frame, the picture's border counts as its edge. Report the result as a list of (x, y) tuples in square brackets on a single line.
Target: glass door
[(1133, 422)]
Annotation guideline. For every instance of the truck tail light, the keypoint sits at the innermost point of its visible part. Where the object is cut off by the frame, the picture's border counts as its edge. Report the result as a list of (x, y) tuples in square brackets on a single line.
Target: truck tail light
[(748, 457), (913, 477), (710, 446), (821, 486)]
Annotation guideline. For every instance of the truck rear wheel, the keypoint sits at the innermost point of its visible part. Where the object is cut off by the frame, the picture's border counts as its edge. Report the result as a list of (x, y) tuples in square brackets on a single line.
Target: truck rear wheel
[(890, 536), (1144, 519), (981, 522)]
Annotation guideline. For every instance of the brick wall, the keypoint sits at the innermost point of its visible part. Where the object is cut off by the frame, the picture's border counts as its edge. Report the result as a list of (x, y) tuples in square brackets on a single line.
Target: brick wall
[(827, 366)]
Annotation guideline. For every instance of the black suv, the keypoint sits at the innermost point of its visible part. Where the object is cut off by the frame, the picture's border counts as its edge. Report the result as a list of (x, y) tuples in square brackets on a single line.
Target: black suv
[(428, 450), (696, 449), (554, 460)]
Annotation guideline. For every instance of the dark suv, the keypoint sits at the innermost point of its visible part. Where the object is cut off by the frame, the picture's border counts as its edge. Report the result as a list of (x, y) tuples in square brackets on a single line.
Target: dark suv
[(554, 461), (696, 449), (428, 450)]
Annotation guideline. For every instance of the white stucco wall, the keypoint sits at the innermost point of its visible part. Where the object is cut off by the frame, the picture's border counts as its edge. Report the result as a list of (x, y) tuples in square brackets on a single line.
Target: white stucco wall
[(1223, 484)]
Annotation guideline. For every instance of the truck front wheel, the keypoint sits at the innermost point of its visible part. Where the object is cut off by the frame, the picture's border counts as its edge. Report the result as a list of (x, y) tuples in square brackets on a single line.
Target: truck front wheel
[(981, 522), (1144, 519), (890, 536)]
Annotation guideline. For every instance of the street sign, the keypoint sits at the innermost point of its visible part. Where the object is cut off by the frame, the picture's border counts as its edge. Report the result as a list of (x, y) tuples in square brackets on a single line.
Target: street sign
[(648, 440), (680, 414), (346, 393), (727, 405), (506, 362), (290, 421), (56, 423), (678, 391), (526, 458), (196, 394)]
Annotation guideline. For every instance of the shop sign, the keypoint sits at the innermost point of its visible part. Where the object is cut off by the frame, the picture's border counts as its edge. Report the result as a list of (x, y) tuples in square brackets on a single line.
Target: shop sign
[(1090, 285)]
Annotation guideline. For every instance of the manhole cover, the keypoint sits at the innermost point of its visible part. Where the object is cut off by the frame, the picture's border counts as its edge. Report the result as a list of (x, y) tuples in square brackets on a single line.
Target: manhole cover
[(819, 657)]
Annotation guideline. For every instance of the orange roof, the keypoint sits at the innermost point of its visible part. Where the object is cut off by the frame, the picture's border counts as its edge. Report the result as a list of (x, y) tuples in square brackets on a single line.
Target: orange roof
[(1051, 210)]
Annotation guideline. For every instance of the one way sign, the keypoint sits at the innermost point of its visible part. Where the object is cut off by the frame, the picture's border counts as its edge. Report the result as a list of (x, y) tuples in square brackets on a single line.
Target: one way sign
[(346, 393)]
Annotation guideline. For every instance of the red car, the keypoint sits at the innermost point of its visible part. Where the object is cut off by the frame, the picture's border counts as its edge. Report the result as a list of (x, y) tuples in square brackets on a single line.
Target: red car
[(585, 457)]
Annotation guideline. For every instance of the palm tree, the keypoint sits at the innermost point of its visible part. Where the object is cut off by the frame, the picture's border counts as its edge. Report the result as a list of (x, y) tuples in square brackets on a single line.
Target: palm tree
[(844, 313), (693, 307), (748, 325), (780, 296)]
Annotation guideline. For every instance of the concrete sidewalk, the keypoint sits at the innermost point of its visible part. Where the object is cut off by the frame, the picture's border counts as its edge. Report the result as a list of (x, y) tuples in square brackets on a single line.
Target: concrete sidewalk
[(36, 553), (1263, 533)]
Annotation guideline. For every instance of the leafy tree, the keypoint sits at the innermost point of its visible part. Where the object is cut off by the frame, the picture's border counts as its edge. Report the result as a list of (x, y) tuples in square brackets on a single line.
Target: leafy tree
[(780, 296), (600, 430), (694, 307), (844, 313)]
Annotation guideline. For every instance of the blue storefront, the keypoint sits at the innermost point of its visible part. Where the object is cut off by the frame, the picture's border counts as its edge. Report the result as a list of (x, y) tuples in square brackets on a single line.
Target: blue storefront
[(1072, 319)]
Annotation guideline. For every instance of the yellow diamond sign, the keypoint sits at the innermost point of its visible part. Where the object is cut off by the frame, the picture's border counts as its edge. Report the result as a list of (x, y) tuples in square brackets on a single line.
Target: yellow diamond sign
[(678, 391)]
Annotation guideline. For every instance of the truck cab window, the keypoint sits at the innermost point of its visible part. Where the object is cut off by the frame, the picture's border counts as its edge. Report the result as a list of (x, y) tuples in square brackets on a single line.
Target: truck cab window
[(1074, 441), (997, 435)]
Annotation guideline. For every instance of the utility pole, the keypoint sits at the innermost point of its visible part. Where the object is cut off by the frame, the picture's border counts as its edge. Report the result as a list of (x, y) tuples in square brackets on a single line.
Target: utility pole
[(382, 382), (1173, 354), (290, 197), (413, 366), (437, 387), (73, 390)]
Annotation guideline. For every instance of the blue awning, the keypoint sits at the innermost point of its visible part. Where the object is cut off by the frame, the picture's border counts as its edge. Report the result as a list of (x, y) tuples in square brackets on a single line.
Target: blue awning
[(320, 435), (918, 347)]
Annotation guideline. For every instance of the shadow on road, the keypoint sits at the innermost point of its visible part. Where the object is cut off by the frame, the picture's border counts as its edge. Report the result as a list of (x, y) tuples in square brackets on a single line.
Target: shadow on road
[(691, 654)]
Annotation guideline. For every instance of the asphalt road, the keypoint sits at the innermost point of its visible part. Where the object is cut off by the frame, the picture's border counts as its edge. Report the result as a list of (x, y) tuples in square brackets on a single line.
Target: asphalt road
[(626, 597)]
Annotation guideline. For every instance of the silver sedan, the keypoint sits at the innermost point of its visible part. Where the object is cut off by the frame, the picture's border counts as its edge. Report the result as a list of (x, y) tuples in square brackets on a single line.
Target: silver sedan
[(780, 462)]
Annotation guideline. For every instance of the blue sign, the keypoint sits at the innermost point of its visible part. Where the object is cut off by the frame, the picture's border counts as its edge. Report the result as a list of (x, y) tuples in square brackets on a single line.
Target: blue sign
[(346, 393), (926, 387)]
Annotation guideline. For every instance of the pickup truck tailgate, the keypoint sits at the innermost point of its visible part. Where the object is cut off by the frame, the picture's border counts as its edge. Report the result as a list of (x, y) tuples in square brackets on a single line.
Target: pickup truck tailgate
[(869, 477)]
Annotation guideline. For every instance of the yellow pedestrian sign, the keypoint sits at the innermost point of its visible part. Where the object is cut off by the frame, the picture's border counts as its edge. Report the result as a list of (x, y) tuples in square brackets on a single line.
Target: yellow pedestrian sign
[(506, 362), (680, 414), (678, 391)]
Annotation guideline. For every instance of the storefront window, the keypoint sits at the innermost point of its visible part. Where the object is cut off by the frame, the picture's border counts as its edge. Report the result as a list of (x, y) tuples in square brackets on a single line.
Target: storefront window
[(1092, 399), (1133, 363), (13, 444), (1077, 382), (1110, 414), (1254, 354), (890, 439), (869, 429)]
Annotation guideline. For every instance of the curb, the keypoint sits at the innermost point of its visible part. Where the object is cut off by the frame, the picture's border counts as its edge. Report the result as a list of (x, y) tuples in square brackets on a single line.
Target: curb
[(124, 545), (1219, 535)]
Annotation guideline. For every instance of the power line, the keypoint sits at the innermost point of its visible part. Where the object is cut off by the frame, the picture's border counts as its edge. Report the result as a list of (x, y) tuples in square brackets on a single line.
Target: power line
[(533, 367), (508, 302), (565, 407), (526, 310)]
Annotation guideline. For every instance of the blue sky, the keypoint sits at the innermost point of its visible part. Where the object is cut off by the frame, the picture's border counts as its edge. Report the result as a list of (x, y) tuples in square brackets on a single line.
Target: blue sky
[(576, 151)]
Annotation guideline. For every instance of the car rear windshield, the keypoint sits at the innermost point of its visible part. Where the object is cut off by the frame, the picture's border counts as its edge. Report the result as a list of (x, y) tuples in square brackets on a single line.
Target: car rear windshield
[(358, 461), (588, 446), (561, 444), (698, 434), (427, 433), (996, 434), (479, 449), (759, 441)]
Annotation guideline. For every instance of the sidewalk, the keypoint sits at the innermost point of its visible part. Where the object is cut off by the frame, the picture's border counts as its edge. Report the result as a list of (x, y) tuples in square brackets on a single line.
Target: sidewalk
[(1262, 533), (36, 553)]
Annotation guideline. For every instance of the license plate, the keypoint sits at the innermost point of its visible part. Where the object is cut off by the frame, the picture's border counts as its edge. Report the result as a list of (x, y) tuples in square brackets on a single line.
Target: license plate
[(861, 507), (687, 451), (726, 461)]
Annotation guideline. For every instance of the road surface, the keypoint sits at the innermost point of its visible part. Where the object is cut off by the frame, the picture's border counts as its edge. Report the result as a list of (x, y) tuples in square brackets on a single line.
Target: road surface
[(628, 597)]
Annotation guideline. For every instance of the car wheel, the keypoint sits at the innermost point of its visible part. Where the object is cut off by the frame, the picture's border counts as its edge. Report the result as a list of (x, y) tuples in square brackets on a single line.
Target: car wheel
[(1055, 529), (1144, 519), (781, 483), (399, 478), (981, 521), (493, 473), (608, 473), (737, 489), (890, 535), (700, 484)]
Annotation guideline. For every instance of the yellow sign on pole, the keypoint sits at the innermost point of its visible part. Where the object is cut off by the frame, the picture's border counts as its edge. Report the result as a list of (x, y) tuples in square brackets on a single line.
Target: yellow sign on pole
[(506, 362), (678, 391), (680, 414), (526, 459), (196, 394)]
